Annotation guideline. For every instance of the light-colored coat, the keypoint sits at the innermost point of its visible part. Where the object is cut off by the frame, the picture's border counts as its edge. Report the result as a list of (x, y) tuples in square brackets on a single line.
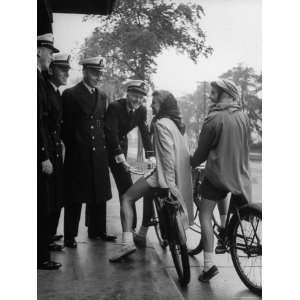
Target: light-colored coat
[(173, 168)]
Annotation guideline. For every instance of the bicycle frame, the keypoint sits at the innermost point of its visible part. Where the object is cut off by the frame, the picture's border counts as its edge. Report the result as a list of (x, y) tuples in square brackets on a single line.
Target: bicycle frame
[(234, 214)]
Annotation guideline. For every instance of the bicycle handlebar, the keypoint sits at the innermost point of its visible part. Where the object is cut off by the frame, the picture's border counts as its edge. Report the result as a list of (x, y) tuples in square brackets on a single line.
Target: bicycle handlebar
[(135, 171)]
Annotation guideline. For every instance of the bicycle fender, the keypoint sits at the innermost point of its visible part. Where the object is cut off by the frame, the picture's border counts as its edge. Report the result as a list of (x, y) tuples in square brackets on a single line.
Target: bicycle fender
[(181, 230), (245, 209)]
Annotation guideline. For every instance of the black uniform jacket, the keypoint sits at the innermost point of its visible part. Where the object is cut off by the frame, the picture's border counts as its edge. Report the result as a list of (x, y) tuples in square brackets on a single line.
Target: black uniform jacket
[(119, 121), (54, 122), (43, 146), (86, 176)]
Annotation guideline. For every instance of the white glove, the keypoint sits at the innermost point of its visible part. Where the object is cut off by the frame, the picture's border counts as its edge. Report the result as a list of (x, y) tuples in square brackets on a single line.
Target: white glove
[(120, 159), (47, 167)]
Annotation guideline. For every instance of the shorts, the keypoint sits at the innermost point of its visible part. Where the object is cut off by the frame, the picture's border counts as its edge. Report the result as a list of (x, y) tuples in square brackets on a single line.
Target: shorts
[(210, 192)]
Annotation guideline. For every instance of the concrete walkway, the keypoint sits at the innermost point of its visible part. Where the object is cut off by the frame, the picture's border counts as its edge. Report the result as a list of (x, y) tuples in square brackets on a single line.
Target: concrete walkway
[(87, 274)]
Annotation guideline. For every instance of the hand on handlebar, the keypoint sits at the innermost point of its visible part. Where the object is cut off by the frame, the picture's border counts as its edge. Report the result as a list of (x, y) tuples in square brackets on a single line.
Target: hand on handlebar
[(120, 159), (151, 162), (126, 165)]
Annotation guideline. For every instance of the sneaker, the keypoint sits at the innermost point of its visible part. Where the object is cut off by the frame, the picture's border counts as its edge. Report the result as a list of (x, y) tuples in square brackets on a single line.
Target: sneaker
[(123, 251), (206, 276), (140, 240), (220, 249)]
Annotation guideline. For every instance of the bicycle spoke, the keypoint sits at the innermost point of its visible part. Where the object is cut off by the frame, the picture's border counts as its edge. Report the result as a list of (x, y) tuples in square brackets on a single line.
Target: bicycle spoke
[(248, 250)]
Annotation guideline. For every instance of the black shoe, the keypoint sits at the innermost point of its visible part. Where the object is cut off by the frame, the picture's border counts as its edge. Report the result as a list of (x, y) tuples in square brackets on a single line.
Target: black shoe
[(70, 244), (56, 237), (55, 247), (107, 237), (206, 276), (49, 265)]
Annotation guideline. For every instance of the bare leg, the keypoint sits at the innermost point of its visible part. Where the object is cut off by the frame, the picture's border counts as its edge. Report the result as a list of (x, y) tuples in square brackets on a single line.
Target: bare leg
[(206, 210), (134, 193)]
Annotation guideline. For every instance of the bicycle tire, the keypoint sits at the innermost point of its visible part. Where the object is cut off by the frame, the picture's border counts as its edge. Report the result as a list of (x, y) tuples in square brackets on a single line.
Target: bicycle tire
[(181, 262), (247, 215), (179, 251)]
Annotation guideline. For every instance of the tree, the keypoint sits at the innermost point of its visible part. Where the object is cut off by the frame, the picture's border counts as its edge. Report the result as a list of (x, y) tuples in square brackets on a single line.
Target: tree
[(138, 31), (194, 108), (250, 84)]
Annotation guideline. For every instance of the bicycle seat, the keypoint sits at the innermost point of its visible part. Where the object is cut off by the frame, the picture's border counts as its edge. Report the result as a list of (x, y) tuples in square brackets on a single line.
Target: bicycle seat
[(161, 192)]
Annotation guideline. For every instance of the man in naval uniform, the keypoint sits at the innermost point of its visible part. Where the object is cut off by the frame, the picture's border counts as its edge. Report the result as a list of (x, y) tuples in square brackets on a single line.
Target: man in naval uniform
[(57, 76), (122, 116), (45, 50), (86, 173)]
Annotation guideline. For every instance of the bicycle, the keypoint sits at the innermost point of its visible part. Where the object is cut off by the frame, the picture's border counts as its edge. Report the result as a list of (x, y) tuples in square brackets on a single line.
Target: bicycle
[(241, 236), (169, 229)]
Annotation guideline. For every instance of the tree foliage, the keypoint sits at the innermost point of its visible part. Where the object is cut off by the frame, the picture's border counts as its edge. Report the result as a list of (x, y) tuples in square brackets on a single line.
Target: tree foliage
[(194, 107), (138, 31)]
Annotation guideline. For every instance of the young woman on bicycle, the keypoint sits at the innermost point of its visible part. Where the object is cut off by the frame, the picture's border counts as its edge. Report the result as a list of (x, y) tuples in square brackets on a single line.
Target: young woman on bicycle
[(224, 145), (172, 171)]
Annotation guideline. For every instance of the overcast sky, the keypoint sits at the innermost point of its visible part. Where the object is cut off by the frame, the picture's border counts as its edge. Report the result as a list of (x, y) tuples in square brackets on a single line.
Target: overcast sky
[(233, 29)]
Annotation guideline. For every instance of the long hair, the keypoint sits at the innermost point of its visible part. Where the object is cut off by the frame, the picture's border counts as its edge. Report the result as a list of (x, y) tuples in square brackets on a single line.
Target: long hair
[(169, 109)]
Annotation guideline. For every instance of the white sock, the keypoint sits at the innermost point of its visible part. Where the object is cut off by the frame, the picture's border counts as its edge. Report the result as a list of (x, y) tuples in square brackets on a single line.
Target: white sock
[(143, 231), (127, 238), (223, 220), (208, 260)]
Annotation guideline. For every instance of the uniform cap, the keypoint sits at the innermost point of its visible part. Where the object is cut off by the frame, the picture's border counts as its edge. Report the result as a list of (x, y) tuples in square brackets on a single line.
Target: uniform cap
[(46, 40), (61, 60), (138, 86), (93, 62)]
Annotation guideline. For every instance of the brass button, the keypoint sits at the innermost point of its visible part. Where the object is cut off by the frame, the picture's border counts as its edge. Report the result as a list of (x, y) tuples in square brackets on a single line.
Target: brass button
[(57, 155), (92, 117), (92, 126), (93, 137), (94, 149)]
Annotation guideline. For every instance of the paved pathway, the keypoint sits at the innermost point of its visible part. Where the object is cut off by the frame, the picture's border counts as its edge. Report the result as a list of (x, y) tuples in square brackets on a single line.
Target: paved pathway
[(149, 274)]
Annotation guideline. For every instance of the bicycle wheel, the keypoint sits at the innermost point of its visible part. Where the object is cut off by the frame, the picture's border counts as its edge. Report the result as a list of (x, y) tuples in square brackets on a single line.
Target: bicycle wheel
[(246, 248), (160, 236), (179, 252)]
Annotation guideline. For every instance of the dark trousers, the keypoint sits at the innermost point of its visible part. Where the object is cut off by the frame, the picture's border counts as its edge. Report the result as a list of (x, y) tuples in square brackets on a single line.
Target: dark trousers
[(71, 220), (43, 253), (123, 181), (53, 222), (96, 219), (43, 209)]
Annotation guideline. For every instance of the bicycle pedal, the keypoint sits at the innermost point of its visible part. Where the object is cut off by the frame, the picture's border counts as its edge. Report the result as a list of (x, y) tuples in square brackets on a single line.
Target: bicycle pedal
[(220, 251)]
